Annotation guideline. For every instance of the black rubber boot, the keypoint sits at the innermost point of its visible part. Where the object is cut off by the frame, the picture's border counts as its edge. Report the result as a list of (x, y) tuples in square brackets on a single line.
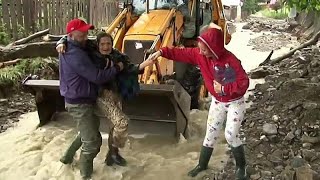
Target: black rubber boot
[(204, 159), (113, 156), (86, 165), (67, 158), (239, 156)]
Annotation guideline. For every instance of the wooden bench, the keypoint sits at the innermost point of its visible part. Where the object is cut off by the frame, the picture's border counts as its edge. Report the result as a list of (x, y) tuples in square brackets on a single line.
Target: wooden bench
[(47, 97)]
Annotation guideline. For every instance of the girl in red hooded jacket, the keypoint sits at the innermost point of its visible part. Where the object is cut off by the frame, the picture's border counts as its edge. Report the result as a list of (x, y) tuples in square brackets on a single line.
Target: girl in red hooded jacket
[(227, 81)]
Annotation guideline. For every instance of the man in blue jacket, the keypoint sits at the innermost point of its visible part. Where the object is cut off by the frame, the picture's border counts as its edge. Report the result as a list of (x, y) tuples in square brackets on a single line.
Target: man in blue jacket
[(79, 83)]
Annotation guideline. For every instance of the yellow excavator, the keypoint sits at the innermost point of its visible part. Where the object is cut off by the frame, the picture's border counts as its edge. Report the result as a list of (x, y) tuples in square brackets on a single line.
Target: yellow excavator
[(168, 89)]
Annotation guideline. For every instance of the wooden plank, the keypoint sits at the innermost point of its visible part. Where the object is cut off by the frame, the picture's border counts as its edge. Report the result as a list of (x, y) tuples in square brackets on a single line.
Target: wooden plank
[(43, 83), (25, 14), (81, 9), (106, 14), (19, 13), (32, 12), (58, 16), (49, 2), (61, 16), (96, 14), (52, 16), (66, 14), (45, 14), (40, 17), (77, 8), (5, 13), (66, 11), (109, 17), (99, 12), (57, 11), (102, 12), (71, 8), (92, 11), (86, 11), (13, 19)]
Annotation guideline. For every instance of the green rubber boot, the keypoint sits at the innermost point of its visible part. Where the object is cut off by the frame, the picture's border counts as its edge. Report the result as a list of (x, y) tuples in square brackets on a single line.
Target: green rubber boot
[(204, 158), (239, 156), (86, 165), (67, 158)]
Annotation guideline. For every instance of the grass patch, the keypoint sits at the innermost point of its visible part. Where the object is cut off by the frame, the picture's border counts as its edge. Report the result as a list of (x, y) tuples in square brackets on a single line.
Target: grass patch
[(13, 75), (280, 14)]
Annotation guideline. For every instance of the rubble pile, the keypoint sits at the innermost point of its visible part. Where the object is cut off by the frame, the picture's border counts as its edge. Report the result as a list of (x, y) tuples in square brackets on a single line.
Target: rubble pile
[(282, 126), (257, 24)]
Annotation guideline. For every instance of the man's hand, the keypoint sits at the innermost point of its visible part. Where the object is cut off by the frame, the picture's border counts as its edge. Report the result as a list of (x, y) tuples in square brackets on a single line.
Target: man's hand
[(154, 56), (61, 48), (109, 63), (217, 87), (120, 64)]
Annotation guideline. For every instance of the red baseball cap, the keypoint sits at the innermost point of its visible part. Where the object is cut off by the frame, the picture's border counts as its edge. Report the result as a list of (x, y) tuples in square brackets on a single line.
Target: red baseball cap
[(78, 25)]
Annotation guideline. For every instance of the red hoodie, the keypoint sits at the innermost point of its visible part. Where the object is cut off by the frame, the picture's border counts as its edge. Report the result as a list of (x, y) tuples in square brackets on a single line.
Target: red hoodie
[(226, 69)]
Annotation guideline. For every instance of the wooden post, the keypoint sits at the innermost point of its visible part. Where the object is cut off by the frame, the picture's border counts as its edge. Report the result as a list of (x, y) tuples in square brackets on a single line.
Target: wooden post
[(5, 14)]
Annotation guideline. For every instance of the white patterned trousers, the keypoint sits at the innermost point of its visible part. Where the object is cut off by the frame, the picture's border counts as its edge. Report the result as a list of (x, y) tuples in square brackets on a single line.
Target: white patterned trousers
[(219, 112)]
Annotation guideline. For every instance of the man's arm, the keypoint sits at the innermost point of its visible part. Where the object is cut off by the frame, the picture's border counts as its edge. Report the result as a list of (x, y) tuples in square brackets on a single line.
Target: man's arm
[(61, 45), (83, 66)]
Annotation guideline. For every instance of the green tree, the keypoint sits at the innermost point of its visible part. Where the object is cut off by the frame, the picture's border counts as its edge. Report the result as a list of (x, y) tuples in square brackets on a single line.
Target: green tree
[(251, 6), (308, 5)]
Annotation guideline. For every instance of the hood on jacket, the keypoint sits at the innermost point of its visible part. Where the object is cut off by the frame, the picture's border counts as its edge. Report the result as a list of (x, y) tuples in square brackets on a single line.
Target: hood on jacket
[(213, 39)]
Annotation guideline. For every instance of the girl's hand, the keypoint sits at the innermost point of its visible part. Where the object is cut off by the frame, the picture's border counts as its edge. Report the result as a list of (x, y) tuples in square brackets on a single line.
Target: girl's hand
[(217, 87), (154, 56)]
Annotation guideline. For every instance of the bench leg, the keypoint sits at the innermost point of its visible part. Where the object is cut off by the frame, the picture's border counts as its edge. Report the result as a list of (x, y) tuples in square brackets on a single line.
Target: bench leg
[(48, 102)]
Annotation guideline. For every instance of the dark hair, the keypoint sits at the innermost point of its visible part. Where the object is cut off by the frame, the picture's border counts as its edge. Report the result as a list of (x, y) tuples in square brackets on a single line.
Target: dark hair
[(103, 34)]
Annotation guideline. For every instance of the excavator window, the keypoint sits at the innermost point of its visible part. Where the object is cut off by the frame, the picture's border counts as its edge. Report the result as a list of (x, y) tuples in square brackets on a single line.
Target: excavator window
[(140, 5), (205, 18)]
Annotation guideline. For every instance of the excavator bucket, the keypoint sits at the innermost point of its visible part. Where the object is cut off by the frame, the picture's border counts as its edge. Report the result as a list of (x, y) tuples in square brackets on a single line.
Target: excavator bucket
[(160, 109)]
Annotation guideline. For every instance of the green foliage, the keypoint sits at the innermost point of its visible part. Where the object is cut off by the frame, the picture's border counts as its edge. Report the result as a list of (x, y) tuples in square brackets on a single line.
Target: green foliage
[(4, 37), (21, 32), (251, 6), (282, 14), (12, 75), (308, 5)]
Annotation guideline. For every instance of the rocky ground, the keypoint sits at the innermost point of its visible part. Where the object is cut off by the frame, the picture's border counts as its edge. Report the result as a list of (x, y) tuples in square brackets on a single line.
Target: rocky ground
[(12, 107), (275, 34), (274, 41), (282, 127)]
